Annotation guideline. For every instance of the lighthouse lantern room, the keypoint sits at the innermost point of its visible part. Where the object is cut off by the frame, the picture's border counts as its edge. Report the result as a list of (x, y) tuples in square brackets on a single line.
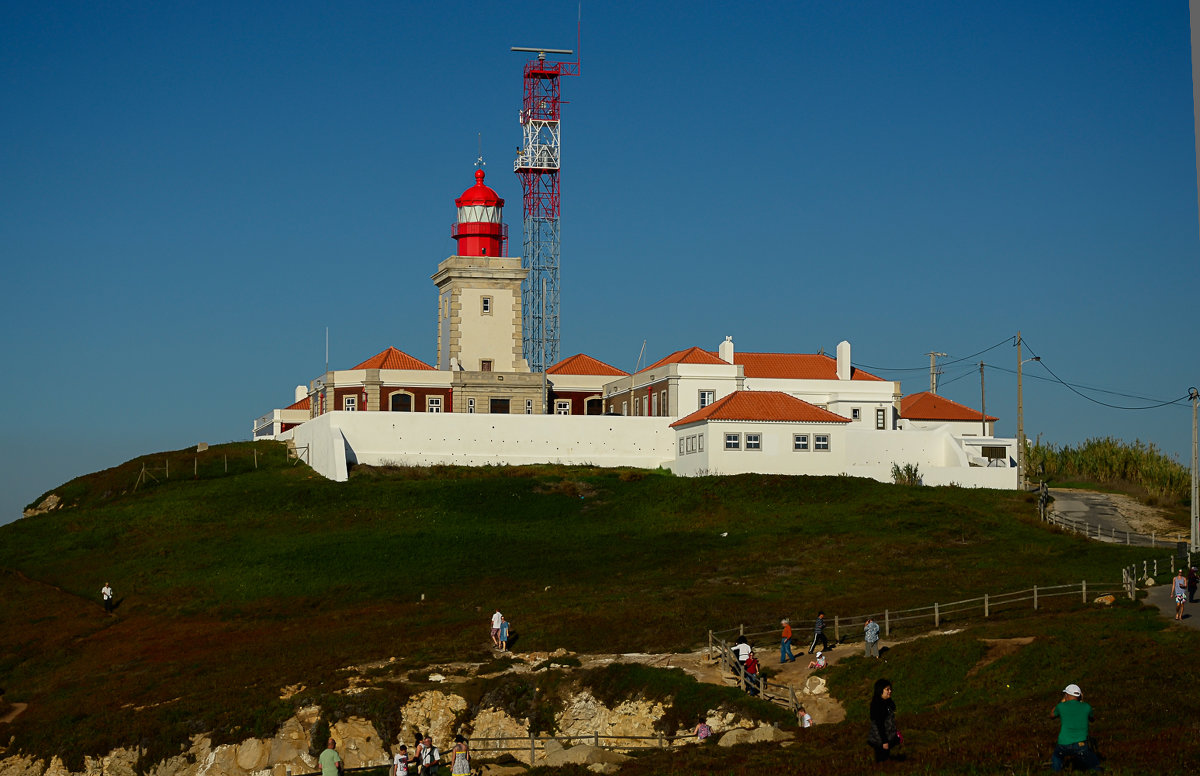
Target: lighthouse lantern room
[(480, 229)]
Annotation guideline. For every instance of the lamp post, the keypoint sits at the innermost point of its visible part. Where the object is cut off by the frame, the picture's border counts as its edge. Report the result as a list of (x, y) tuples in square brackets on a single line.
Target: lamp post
[(1021, 416)]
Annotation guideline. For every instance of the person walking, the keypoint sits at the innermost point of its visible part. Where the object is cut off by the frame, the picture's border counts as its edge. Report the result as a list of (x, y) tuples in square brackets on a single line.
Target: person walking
[(871, 638), (107, 594), (883, 737), (503, 635), (1193, 578), (752, 678), (819, 634), (785, 643), (1073, 733), (497, 618), (460, 765), (803, 718), (1179, 591), (330, 760)]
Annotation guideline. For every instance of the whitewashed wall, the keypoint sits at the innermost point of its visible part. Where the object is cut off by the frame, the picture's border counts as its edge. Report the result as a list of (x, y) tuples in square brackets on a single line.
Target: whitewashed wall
[(460, 439)]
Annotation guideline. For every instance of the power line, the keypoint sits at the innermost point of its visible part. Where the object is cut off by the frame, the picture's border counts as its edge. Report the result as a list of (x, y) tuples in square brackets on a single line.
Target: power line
[(944, 363), (1095, 401)]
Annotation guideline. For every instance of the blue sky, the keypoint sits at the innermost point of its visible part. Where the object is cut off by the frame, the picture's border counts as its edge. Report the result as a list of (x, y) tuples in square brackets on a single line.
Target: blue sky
[(191, 192)]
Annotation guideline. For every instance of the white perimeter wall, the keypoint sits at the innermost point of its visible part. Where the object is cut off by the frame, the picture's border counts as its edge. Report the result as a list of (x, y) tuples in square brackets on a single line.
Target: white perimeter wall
[(461, 439), (429, 439)]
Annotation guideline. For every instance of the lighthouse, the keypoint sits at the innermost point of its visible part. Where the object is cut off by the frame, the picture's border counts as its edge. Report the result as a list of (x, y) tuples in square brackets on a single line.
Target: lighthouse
[(479, 312), (480, 228)]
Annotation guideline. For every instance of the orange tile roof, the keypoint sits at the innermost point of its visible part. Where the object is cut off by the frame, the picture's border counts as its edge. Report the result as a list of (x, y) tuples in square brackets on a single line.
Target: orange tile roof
[(580, 364), (392, 359), (930, 406), (773, 406), (693, 355), (303, 404), (796, 366)]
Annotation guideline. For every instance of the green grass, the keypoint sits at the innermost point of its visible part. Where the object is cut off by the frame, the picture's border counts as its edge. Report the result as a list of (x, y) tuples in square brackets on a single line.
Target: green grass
[(232, 586)]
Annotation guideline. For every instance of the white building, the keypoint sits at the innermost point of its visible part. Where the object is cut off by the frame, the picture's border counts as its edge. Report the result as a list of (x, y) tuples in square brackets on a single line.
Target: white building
[(694, 411)]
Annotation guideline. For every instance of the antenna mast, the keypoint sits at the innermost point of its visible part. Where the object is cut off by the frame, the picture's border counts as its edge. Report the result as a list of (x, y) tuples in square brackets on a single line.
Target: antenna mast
[(537, 165)]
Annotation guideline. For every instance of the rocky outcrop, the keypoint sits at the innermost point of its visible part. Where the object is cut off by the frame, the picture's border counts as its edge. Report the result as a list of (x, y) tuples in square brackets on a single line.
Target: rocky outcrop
[(759, 735), (49, 504), (586, 716), (438, 714), (433, 713)]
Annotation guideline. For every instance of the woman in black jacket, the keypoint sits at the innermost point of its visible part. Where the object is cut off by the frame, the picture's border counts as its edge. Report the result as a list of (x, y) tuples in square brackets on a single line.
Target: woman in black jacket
[(883, 736)]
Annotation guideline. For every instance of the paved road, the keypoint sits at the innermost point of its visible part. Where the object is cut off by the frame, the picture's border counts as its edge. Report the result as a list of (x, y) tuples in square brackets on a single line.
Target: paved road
[(1091, 508)]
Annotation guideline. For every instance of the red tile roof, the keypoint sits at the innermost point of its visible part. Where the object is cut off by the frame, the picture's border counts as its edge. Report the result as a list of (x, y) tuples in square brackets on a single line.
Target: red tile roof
[(773, 406), (580, 364), (692, 355), (930, 406), (303, 404), (796, 366), (392, 359)]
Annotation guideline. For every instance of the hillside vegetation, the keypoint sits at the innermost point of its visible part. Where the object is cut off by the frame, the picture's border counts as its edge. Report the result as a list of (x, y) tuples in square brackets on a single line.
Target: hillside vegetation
[(1135, 467), (243, 573)]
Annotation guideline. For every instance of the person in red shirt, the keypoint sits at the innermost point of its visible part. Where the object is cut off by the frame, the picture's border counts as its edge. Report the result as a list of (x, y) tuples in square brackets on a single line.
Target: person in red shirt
[(752, 685), (785, 645)]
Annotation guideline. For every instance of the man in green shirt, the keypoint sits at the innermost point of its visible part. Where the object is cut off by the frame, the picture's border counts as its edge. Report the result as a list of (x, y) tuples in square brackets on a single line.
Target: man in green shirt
[(331, 762), (1073, 735)]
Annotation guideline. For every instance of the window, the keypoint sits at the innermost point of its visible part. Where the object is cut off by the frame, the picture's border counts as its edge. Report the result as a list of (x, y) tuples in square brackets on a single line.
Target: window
[(350, 403), (637, 403), (485, 305), (401, 402), (485, 365), (800, 442), (562, 407), (821, 443), (881, 419), (529, 406), (700, 444), (433, 404), (691, 444), (706, 398), (498, 407), (624, 408), (681, 445), (733, 442), (662, 402), (855, 413), (653, 403), (753, 441), (470, 405)]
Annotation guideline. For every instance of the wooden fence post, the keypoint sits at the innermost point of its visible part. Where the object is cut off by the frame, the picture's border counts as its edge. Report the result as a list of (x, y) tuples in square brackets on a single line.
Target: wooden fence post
[(937, 620), (710, 643), (596, 739), (532, 748), (837, 638), (985, 604), (1035, 598), (887, 624), (1083, 585), (660, 740), (741, 629)]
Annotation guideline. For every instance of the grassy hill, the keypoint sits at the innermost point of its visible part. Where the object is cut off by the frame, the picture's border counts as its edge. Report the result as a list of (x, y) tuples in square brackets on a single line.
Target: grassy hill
[(242, 573)]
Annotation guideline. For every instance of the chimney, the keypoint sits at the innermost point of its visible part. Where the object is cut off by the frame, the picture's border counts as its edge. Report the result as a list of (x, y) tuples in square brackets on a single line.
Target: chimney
[(301, 393), (726, 350), (843, 360)]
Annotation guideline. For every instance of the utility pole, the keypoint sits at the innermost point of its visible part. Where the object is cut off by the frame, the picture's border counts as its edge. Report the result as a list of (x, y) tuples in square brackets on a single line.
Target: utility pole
[(1195, 395), (1021, 416), (933, 371), (982, 402)]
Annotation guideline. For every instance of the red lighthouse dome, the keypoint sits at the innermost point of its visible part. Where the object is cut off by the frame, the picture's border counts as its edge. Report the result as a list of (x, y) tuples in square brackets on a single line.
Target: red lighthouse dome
[(480, 230)]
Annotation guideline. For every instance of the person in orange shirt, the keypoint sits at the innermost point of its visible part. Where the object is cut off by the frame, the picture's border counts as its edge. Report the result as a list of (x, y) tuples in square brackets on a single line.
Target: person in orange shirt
[(785, 646)]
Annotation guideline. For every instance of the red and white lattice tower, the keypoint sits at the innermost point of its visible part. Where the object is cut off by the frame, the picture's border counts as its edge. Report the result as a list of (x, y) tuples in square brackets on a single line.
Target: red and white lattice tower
[(538, 163)]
